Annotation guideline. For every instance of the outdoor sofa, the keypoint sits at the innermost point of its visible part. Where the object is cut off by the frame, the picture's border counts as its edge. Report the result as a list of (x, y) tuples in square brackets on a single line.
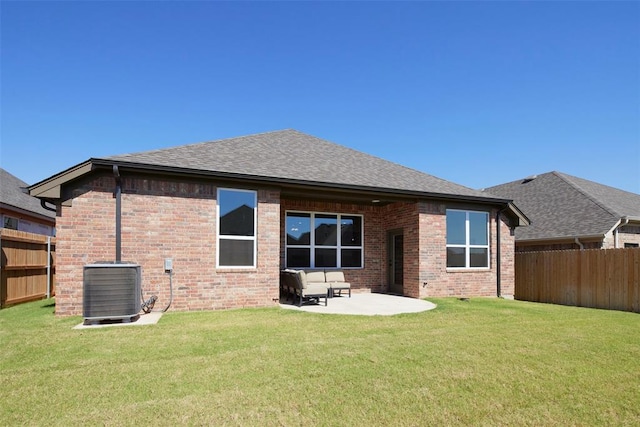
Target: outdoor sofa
[(314, 284)]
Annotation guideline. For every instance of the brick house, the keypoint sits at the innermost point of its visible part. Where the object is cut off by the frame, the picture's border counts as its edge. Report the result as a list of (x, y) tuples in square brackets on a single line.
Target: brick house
[(19, 211), (568, 212), (232, 213)]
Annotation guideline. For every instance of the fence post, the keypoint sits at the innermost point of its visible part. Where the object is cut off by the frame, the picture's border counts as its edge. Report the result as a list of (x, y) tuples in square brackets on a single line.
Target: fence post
[(48, 266)]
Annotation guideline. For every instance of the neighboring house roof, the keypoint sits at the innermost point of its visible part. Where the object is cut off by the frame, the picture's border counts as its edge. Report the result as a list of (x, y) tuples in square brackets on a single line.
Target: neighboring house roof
[(12, 197), (289, 158), (562, 206)]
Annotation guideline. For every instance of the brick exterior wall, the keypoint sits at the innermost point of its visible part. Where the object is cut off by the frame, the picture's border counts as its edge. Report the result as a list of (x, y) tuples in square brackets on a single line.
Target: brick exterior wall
[(164, 219), (173, 218), (629, 234), (404, 216), (425, 259), (367, 279), (436, 280)]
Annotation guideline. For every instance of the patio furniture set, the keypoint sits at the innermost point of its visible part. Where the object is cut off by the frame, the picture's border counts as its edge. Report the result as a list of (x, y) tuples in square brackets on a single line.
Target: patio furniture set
[(313, 285)]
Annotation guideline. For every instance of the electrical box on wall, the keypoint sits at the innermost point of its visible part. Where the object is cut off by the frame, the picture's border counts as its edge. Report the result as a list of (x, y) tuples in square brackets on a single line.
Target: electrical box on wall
[(168, 265)]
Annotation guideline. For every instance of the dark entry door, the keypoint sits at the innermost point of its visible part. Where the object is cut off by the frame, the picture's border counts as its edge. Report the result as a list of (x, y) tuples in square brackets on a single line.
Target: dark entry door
[(396, 257)]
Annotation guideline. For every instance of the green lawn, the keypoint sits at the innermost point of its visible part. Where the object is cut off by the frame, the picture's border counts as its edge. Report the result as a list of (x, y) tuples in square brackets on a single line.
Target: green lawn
[(482, 362)]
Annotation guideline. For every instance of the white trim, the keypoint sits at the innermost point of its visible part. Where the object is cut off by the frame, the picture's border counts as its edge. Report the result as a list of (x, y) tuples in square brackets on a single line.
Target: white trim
[(312, 246), (231, 237), (467, 246)]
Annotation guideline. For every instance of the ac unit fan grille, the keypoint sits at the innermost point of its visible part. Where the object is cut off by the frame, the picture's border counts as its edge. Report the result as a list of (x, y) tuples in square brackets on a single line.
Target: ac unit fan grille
[(111, 291)]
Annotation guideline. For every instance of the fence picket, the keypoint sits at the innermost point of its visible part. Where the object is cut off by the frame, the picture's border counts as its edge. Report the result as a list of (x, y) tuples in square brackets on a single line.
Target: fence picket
[(23, 272), (597, 278)]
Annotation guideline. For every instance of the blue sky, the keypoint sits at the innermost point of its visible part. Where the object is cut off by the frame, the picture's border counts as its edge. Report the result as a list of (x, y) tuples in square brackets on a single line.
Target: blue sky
[(478, 93)]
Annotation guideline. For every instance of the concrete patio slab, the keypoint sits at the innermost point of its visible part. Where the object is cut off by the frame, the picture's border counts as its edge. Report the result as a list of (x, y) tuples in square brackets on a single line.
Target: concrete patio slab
[(366, 305), (144, 319)]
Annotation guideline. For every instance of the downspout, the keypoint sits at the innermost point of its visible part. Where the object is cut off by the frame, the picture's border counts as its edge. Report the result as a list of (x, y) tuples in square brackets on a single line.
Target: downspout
[(44, 205), (48, 267), (118, 195), (498, 256), (579, 243)]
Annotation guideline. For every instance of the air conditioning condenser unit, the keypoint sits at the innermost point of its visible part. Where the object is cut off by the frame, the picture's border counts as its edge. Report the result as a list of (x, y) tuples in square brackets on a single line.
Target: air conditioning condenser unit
[(111, 291)]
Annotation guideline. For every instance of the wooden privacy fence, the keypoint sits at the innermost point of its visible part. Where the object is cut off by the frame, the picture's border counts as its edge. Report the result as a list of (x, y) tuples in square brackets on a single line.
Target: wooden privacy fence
[(597, 278), (27, 266)]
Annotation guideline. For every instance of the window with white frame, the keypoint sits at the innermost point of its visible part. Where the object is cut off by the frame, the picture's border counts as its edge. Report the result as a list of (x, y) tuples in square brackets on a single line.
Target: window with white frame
[(321, 240), (467, 239), (237, 224)]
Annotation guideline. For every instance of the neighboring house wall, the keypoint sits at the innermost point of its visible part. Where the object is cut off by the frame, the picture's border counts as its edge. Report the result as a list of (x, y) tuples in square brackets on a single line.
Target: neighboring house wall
[(629, 234), (21, 212), (21, 221), (565, 246), (609, 241), (545, 247)]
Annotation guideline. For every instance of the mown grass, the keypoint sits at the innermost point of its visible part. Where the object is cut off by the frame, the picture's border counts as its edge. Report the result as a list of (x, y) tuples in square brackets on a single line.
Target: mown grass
[(481, 362)]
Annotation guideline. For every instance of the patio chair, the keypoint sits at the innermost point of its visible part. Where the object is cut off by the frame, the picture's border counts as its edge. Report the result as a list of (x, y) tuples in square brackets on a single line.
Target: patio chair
[(335, 279), (309, 290)]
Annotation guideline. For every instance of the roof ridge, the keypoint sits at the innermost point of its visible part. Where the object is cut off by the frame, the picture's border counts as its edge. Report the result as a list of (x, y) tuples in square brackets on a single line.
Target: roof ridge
[(201, 143), (584, 192)]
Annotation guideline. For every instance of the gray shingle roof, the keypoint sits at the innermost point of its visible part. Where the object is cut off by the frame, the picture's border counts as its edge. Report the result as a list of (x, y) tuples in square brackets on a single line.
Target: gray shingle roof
[(293, 155), (11, 195), (564, 206)]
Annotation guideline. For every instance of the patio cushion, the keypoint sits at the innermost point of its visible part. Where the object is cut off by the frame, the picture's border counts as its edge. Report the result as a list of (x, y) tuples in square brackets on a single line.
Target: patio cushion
[(334, 276), (335, 279), (315, 277), (315, 289), (303, 278)]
